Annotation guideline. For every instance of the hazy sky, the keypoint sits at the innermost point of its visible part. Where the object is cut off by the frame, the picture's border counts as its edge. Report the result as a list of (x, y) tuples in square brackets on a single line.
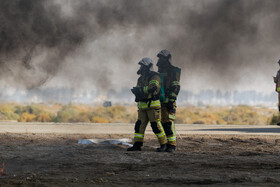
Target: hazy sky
[(87, 44)]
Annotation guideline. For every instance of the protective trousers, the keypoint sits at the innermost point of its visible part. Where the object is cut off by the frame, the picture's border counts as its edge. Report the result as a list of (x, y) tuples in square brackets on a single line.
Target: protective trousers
[(279, 101), (144, 116), (167, 120)]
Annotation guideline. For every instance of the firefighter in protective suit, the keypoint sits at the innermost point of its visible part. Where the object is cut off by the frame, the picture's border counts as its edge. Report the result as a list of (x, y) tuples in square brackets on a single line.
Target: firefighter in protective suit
[(171, 84), (149, 108), (277, 89)]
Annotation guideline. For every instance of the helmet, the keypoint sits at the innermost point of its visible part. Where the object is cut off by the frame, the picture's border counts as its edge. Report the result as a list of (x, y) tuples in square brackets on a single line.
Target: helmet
[(164, 54), (147, 62)]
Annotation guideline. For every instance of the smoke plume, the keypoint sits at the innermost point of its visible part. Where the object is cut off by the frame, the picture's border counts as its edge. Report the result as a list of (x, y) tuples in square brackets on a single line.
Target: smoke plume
[(97, 44)]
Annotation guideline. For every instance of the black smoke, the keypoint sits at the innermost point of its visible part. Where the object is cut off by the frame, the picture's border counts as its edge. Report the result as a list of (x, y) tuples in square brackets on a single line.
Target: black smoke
[(37, 37)]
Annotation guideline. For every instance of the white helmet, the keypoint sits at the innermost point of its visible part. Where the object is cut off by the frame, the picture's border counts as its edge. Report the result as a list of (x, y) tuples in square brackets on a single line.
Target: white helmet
[(147, 62), (165, 54)]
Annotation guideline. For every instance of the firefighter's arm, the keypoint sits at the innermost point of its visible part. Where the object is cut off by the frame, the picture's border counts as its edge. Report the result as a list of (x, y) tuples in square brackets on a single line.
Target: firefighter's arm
[(154, 86), (276, 81), (175, 88), (137, 91)]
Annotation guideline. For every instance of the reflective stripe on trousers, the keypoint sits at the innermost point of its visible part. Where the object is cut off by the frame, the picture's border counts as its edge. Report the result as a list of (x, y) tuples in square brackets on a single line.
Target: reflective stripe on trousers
[(144, 105), (162, 133), (172, 138), (138, 135)]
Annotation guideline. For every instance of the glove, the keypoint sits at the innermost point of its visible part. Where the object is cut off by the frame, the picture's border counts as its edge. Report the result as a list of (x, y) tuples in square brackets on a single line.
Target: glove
[(136, 91), (170, 106)]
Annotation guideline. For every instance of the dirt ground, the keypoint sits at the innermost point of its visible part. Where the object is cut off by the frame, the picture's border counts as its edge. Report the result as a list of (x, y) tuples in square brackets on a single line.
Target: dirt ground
[(218, 160)]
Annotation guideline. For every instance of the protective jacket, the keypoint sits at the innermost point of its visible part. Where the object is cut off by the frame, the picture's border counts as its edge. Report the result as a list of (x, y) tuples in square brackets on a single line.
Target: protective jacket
[(277, 81), (171, 83), (149, 86)]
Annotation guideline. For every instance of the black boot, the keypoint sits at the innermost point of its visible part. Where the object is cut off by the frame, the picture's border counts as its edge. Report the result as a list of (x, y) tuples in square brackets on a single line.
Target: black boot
[(162, 148), (170, 148), (136, 146)]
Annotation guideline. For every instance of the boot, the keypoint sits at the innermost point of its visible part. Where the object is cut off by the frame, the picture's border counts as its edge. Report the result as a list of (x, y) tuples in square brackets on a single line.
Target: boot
[(170, 148), (278, 124), (162, 148), (136, 146)]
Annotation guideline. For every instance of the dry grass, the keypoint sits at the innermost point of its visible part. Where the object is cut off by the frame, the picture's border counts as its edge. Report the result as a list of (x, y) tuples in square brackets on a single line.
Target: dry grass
[(242, 115)]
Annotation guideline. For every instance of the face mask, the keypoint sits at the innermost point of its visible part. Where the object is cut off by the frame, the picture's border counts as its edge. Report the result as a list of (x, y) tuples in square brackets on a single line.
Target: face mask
[(142, 70), (162, 64)]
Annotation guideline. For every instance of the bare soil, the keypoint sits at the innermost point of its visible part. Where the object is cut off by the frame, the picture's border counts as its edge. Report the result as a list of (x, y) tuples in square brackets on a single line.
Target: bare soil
[(218, 160)]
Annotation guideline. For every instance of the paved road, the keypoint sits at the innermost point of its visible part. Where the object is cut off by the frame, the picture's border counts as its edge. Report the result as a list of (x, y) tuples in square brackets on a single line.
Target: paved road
[(84, 128)]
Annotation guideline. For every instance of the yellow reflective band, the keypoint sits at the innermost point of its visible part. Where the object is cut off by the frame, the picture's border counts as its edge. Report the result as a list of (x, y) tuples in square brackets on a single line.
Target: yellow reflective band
[(159, 135), (172, 100), (144, 105), (170, 139), (175, 83), (173, 94), (160, 125), (155, 103), (138, 135), (154, 82), (145, 89), (278, 89), (173, 129), (171, 116)]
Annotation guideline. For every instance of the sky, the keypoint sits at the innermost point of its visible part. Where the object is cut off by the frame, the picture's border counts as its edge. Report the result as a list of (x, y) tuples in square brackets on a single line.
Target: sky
[(96, 45)]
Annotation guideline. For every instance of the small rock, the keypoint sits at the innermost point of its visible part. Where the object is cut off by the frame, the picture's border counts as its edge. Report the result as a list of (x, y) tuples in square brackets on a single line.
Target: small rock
[(277, 141), (110, 174), (33, 176)]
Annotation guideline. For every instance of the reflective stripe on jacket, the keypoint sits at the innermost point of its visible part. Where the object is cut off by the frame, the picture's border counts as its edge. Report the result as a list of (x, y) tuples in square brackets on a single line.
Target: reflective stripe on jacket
[(150, 86)]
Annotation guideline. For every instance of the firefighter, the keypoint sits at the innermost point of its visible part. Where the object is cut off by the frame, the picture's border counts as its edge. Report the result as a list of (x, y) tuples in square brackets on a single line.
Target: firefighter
[(277, 89), (149, 108), (171, 86)]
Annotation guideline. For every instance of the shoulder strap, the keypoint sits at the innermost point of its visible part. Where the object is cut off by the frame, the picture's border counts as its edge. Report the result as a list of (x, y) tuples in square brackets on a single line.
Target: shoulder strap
[(161, 93)]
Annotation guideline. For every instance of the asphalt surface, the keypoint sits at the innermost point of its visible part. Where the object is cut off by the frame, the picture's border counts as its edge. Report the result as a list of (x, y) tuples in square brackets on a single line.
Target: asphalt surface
[(115, 128)]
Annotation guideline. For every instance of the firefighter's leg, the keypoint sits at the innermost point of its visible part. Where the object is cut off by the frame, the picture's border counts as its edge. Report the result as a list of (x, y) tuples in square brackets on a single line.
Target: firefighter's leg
[(155, 119), (279, 101), (278, 106), (139, 129), (169, 128)]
